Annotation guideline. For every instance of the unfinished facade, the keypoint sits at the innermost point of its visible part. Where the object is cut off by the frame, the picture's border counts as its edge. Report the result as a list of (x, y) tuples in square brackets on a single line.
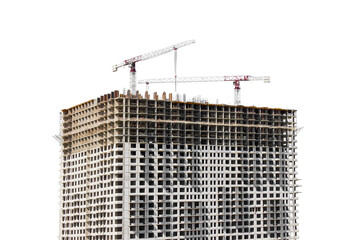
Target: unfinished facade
[(141, 168)]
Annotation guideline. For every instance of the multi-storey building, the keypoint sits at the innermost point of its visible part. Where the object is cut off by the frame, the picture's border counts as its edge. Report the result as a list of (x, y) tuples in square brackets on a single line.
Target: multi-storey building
[(139, 168)]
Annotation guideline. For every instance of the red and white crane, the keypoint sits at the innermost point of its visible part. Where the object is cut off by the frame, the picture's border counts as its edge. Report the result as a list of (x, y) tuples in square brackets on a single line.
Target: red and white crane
[(235, 79), (131, 61)]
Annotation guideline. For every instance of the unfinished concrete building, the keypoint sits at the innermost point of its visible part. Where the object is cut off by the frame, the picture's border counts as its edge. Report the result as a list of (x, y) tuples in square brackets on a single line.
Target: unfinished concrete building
[(136, 167)]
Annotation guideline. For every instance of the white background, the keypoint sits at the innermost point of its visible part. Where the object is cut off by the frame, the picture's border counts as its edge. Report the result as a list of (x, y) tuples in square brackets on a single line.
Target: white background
[(56, 54)]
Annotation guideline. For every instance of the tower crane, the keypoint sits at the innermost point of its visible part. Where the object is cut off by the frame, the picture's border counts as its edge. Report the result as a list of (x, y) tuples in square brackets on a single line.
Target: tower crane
[(235, 79), (132, 61)]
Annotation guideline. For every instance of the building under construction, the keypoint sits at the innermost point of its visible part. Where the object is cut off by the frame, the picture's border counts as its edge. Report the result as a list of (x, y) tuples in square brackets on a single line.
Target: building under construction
[(141, 167)]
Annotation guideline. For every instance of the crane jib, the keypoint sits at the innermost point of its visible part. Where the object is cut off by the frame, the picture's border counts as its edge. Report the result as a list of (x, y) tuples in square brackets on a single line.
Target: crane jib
[(132, 61)]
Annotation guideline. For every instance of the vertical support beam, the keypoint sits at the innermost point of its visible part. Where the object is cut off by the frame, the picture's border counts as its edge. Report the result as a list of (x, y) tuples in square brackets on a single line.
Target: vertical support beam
[(126, 192), (175, 66), (237, 92), (133, 79)]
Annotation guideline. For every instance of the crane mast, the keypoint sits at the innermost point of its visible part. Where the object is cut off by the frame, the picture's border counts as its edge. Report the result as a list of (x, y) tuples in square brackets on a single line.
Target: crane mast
[(131, 62), (235, 79)]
